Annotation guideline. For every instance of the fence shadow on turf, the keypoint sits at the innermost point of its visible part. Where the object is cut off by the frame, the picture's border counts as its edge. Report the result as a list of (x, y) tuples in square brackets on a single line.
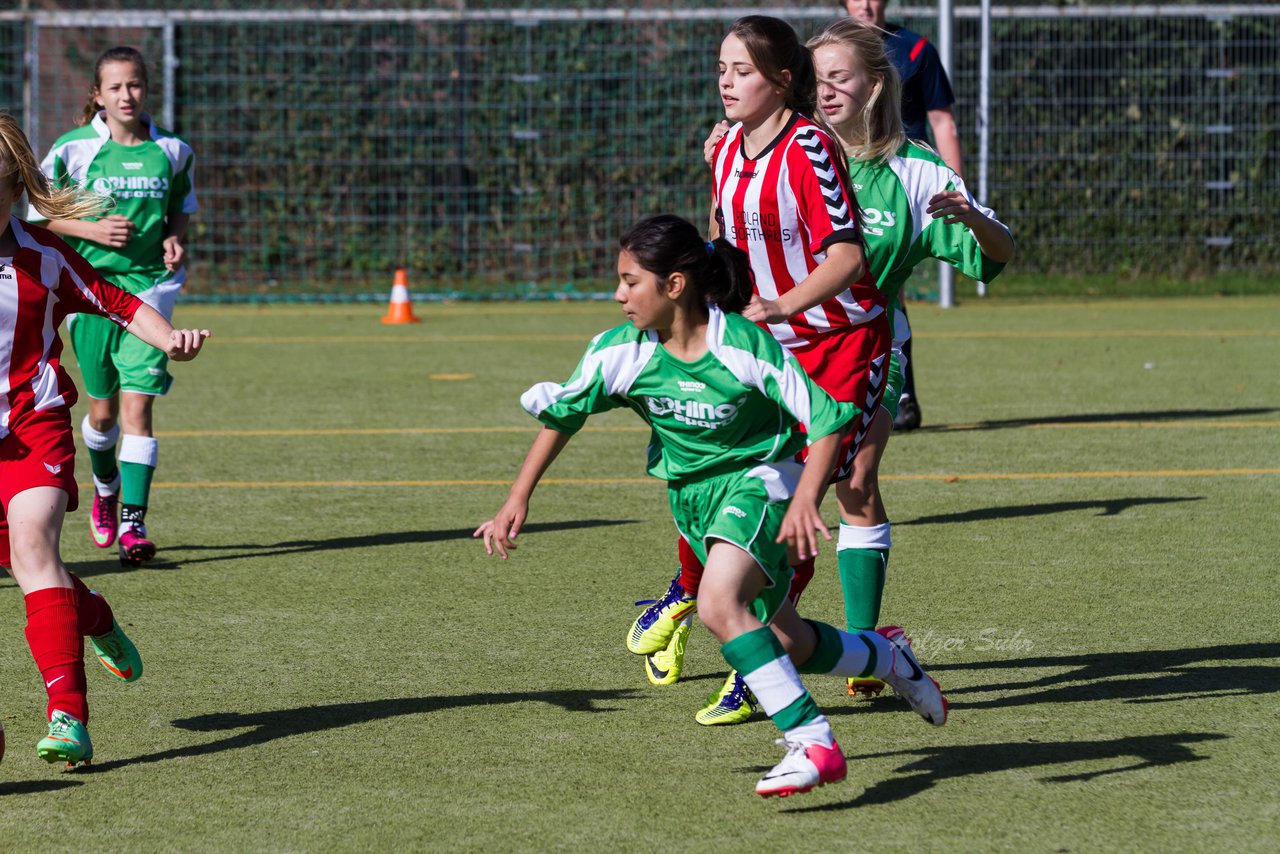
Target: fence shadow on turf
[(938, 763), (264, 727), (1143, 676), (1105, 507), (1096, 418), (241, 551)]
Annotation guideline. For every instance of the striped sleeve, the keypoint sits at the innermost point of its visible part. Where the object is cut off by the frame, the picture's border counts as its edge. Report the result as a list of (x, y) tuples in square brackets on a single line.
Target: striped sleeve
[(820, 184), (82, 290)]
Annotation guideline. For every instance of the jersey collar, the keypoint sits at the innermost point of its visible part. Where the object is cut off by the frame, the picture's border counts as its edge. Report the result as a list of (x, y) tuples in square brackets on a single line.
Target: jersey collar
[(99, 125), (782, 134)]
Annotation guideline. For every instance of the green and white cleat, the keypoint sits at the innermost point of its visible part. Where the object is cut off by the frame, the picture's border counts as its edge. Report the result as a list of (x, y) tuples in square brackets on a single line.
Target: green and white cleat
[(665, 666), (67, 741), (117, 653)]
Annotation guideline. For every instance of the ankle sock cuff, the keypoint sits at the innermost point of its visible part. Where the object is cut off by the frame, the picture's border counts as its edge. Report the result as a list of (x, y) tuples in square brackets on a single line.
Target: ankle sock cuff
[(96, 440)]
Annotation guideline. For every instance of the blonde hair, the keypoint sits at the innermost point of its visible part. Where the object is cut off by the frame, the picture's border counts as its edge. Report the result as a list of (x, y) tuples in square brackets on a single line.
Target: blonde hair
[(879, 132), (17, 159)]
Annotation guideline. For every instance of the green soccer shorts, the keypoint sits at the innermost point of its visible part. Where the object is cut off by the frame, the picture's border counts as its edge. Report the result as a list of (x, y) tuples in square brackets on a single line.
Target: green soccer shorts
[(745, 509), (111, 360)]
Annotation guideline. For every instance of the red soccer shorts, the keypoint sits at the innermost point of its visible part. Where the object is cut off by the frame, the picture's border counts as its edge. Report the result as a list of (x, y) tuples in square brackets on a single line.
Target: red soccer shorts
[(851, 365), (38, 451)]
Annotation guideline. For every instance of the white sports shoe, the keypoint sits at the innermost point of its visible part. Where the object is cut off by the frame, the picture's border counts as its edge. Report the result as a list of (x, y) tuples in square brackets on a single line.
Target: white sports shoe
[(804, 766), (908, 680)]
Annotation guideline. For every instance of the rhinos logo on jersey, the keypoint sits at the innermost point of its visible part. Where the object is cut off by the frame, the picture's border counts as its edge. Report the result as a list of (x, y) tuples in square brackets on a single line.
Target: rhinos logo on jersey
[(131, 187), (695, 412)]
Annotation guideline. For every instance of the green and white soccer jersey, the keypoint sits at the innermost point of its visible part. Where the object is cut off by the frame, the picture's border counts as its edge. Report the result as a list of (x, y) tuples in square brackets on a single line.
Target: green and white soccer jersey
[(732, 409), (894, 197), (723, 430), (150, 183)]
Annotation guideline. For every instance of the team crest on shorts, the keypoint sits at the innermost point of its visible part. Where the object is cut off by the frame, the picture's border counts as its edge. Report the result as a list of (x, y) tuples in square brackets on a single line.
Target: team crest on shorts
[(53, 469)]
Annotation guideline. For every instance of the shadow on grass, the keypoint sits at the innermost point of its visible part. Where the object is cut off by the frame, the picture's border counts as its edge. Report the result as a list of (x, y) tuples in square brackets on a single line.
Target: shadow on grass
[(34, 787), (949, 762), (1112, 507), (241, 551), (1095, 418), (266, 727), (1145, 676)]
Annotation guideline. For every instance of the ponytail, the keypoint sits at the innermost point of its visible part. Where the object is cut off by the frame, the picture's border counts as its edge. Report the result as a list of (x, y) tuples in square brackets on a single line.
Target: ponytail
[(718, 271), (17, 159), (115, 54), (728, 281)]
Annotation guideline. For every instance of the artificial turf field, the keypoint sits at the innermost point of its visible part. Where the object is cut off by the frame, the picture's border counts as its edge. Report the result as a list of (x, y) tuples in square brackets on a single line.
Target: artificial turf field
[(1086, 551)]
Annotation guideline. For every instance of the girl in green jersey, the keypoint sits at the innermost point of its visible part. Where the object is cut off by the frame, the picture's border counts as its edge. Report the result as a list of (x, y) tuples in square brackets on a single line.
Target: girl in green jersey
[(914, 207), (722, 398), (119, 152)]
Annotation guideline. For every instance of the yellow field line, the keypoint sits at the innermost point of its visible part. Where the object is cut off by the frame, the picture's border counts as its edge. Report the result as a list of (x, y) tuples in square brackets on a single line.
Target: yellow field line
[(629, 481), (445, 431)]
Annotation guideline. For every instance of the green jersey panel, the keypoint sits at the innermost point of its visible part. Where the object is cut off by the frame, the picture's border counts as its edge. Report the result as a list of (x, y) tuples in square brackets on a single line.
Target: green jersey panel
[(894, 197), (150, 183), (735, 407)]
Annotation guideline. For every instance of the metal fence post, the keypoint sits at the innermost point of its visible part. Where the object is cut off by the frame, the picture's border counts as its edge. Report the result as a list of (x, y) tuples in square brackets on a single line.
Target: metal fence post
[(170, 74), (946, 274)]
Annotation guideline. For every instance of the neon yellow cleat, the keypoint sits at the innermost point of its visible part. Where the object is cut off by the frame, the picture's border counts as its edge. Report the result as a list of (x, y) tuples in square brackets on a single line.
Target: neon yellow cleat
[(732, 704), (868, 688), (653, 629), (665, 666)]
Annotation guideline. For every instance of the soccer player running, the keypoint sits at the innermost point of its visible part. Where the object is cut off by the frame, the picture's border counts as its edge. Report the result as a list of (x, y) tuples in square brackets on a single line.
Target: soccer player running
[(41, 281), (120, 152), (913, 207), (781, 194), (721, 398), (926, 99)]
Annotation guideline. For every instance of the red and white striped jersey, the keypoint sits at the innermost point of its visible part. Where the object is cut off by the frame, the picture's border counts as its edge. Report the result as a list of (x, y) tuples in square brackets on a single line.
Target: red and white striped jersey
[(41, 284), (784, 207)]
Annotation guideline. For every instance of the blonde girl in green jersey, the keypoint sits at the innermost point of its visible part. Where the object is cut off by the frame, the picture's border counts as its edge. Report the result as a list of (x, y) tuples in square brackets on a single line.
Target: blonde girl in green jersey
[(119, 152), (722, 397), (914, 207)]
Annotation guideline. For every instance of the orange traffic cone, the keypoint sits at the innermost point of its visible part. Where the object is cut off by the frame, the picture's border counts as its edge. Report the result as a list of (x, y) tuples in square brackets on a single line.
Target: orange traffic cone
[(400, 310)]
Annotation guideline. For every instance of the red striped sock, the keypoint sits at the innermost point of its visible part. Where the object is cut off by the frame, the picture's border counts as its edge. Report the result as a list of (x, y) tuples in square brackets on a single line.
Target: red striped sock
[(57, 645), (690, 568), (95, 614)]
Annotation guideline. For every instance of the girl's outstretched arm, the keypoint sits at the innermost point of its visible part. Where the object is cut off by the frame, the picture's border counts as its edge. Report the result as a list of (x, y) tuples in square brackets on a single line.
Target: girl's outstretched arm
[(181, 345), (803, 516), (501, 531)]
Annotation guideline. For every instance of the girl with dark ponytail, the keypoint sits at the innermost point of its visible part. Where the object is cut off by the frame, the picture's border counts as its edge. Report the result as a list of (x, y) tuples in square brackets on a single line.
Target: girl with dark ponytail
[(723, 399)]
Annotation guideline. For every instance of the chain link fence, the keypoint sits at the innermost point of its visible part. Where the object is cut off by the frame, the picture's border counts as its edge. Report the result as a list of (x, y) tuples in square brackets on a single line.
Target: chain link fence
[(491, 148)]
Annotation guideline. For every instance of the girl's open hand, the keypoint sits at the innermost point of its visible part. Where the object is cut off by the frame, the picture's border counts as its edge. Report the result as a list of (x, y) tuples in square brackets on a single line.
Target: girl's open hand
[(799, 527), (184, 344), (500, 532)]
